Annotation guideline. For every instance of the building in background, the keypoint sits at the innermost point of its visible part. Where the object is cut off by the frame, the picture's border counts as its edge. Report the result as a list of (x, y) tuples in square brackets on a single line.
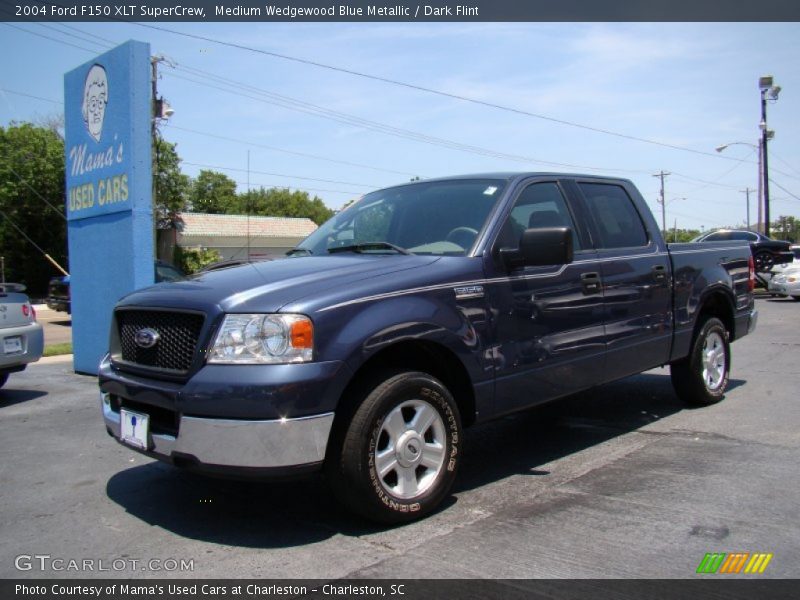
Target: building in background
[(229, 234)]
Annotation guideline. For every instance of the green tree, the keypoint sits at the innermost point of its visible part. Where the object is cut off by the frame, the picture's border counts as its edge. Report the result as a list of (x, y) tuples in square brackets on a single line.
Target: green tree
[(171, 186), (681, 235), (785, 228), (191, 260), (31, 176), (277, 202), (212, 192)]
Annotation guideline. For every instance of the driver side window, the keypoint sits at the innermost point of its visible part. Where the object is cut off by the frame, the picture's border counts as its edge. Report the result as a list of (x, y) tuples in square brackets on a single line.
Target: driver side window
[(539, 205)]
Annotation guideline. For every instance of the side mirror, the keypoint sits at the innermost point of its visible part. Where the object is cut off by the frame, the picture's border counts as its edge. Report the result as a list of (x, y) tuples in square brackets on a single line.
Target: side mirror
[(540, 247)]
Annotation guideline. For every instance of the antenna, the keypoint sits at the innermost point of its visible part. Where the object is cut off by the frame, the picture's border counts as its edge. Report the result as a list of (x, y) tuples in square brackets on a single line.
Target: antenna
[(247, 208)]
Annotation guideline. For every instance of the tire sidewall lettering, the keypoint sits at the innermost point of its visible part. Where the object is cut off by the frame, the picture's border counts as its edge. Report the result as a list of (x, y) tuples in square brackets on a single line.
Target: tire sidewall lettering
[(435, 398)]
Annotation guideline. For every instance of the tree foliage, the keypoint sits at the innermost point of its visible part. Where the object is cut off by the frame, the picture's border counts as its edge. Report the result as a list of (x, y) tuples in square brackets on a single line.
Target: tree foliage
[(171, 186), (785, 228), (277, 202), (31, 176), (212, 192), (191, 260)]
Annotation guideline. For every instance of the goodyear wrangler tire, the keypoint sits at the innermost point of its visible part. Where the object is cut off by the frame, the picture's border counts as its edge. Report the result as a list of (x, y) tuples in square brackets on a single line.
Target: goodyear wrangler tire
[(701, 378), (400, 451)]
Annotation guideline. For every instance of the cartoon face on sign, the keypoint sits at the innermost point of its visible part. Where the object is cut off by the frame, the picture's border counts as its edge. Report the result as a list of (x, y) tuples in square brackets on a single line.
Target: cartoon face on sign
[(95, 98)]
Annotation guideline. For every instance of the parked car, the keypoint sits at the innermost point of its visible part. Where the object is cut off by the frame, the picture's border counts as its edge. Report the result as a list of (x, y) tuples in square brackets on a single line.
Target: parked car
[(58, 295), (418, 311), (786, 283), (778, 269), (766, 251), (21, 337)]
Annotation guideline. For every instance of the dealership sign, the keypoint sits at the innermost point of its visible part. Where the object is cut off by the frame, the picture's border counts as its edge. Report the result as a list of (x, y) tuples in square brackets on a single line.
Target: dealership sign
[(108, 114)]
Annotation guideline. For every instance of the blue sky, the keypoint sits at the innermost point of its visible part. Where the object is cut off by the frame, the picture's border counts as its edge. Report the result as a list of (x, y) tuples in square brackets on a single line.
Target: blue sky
[(684, 84)]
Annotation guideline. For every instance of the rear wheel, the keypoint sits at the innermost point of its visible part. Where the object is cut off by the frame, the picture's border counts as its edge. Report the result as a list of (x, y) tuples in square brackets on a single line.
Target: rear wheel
[(700, 379), (764, 261), (399, 454)]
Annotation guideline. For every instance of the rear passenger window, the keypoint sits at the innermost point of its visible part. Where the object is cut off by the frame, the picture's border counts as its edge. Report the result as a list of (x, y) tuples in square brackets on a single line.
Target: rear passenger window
[(618, 222)]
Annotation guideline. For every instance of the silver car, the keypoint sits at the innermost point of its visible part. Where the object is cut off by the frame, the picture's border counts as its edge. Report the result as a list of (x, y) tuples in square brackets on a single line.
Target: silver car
[(21, 337), (787, 282)]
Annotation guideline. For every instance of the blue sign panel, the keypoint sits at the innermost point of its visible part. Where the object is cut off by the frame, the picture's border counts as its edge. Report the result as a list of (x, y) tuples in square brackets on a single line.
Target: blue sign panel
[(107, 109)]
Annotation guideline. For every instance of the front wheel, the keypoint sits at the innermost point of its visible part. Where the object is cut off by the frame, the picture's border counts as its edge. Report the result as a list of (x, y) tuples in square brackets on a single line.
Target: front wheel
[(700, 379), (400, 451), (3, 379)]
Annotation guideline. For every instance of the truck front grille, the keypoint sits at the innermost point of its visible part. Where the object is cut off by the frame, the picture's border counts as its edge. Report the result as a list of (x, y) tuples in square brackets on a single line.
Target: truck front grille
[(178, 335)]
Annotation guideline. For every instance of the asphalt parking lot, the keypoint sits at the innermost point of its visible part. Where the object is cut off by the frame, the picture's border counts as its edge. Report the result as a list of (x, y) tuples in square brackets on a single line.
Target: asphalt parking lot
[(57, 325), (622, 481)]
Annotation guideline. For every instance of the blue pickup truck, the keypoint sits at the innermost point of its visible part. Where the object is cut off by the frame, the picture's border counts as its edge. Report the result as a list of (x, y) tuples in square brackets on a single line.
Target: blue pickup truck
[(415, 313)]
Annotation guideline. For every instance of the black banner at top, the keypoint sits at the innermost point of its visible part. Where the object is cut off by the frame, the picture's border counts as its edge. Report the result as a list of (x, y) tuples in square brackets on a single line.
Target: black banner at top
[(400, 10)]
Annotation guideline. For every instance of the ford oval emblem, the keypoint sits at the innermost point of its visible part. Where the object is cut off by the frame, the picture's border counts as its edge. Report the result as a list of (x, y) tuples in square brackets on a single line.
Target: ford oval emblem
[(146, 338)]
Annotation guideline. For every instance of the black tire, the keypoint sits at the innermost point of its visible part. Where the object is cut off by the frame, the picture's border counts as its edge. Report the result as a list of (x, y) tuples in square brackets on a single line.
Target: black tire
[(700, 379), (764, 261), (392, 406), (796, 298), (3, 379)]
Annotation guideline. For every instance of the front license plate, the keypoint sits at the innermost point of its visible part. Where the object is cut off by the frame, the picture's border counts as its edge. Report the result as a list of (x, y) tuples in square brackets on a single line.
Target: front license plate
[(12, 345), (134, 429)]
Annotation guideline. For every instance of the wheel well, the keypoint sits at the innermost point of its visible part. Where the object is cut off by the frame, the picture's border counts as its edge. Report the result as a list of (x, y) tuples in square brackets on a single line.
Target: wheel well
[(718, 305), (416, 355)]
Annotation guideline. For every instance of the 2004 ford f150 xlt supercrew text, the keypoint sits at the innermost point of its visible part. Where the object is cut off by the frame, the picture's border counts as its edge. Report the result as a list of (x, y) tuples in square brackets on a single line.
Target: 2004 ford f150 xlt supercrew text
[(416, 312)]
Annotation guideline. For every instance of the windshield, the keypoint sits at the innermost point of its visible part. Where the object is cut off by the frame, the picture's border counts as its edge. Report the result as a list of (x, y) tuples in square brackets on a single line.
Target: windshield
[(440, 217)]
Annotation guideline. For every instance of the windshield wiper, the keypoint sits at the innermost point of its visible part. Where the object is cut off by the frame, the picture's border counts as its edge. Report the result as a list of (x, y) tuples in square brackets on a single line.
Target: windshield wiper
[(369, 246), (304, 251)]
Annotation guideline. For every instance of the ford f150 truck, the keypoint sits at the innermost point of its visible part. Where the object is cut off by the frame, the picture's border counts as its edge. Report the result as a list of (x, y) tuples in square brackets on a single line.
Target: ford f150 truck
[(416, 312)]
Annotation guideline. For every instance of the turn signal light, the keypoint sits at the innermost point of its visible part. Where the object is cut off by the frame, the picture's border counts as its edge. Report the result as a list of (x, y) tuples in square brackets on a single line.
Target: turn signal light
[(751, 281), (302, 334)]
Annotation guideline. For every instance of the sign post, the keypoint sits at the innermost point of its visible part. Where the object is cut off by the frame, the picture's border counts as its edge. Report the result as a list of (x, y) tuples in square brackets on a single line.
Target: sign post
[(108, 116)]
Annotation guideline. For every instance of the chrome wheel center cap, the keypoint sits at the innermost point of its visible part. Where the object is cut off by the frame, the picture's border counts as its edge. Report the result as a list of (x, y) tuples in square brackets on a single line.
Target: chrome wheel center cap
[(409, 449)]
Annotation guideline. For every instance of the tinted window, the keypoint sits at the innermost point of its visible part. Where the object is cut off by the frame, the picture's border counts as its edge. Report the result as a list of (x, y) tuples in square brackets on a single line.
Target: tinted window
[(618, 223), (539, 205), (720, 236), (743, 235), (440, 217)]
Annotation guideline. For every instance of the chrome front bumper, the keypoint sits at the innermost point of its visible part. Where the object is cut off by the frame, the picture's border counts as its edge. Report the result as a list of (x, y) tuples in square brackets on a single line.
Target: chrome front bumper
[(237, 443)]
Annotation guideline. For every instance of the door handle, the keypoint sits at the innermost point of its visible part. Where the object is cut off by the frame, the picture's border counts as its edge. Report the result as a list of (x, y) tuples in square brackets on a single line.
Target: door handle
[(659, 273), (590, 282)]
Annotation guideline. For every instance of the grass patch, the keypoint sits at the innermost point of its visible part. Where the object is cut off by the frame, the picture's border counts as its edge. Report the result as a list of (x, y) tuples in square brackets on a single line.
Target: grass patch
[(56, 349)]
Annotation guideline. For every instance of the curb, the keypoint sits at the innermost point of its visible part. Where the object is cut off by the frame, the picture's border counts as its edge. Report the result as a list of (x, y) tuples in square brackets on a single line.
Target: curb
[(45, 360)]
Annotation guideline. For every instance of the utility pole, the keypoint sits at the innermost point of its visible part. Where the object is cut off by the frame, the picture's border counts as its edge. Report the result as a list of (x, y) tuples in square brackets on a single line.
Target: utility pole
[(747, 192), (661, 174)]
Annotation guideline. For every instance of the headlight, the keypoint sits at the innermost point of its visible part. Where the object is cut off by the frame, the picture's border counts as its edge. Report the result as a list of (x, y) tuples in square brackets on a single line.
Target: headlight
[(258, 339)]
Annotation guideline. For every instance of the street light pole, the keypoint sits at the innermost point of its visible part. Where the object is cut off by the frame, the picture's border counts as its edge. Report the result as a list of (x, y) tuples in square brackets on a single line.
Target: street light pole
[(767, 89)]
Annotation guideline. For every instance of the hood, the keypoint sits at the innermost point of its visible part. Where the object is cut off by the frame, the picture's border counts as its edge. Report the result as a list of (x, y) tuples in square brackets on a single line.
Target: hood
[(268, 286)]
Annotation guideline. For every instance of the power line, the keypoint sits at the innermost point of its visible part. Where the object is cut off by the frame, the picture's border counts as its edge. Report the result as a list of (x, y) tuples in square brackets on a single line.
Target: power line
[(6, 90), (292, 152), (194, 164), (326, 113), (28, 185), (364, 122), (783, 188), (35, 245), (47, 37), (303, 189), (430, 90)]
